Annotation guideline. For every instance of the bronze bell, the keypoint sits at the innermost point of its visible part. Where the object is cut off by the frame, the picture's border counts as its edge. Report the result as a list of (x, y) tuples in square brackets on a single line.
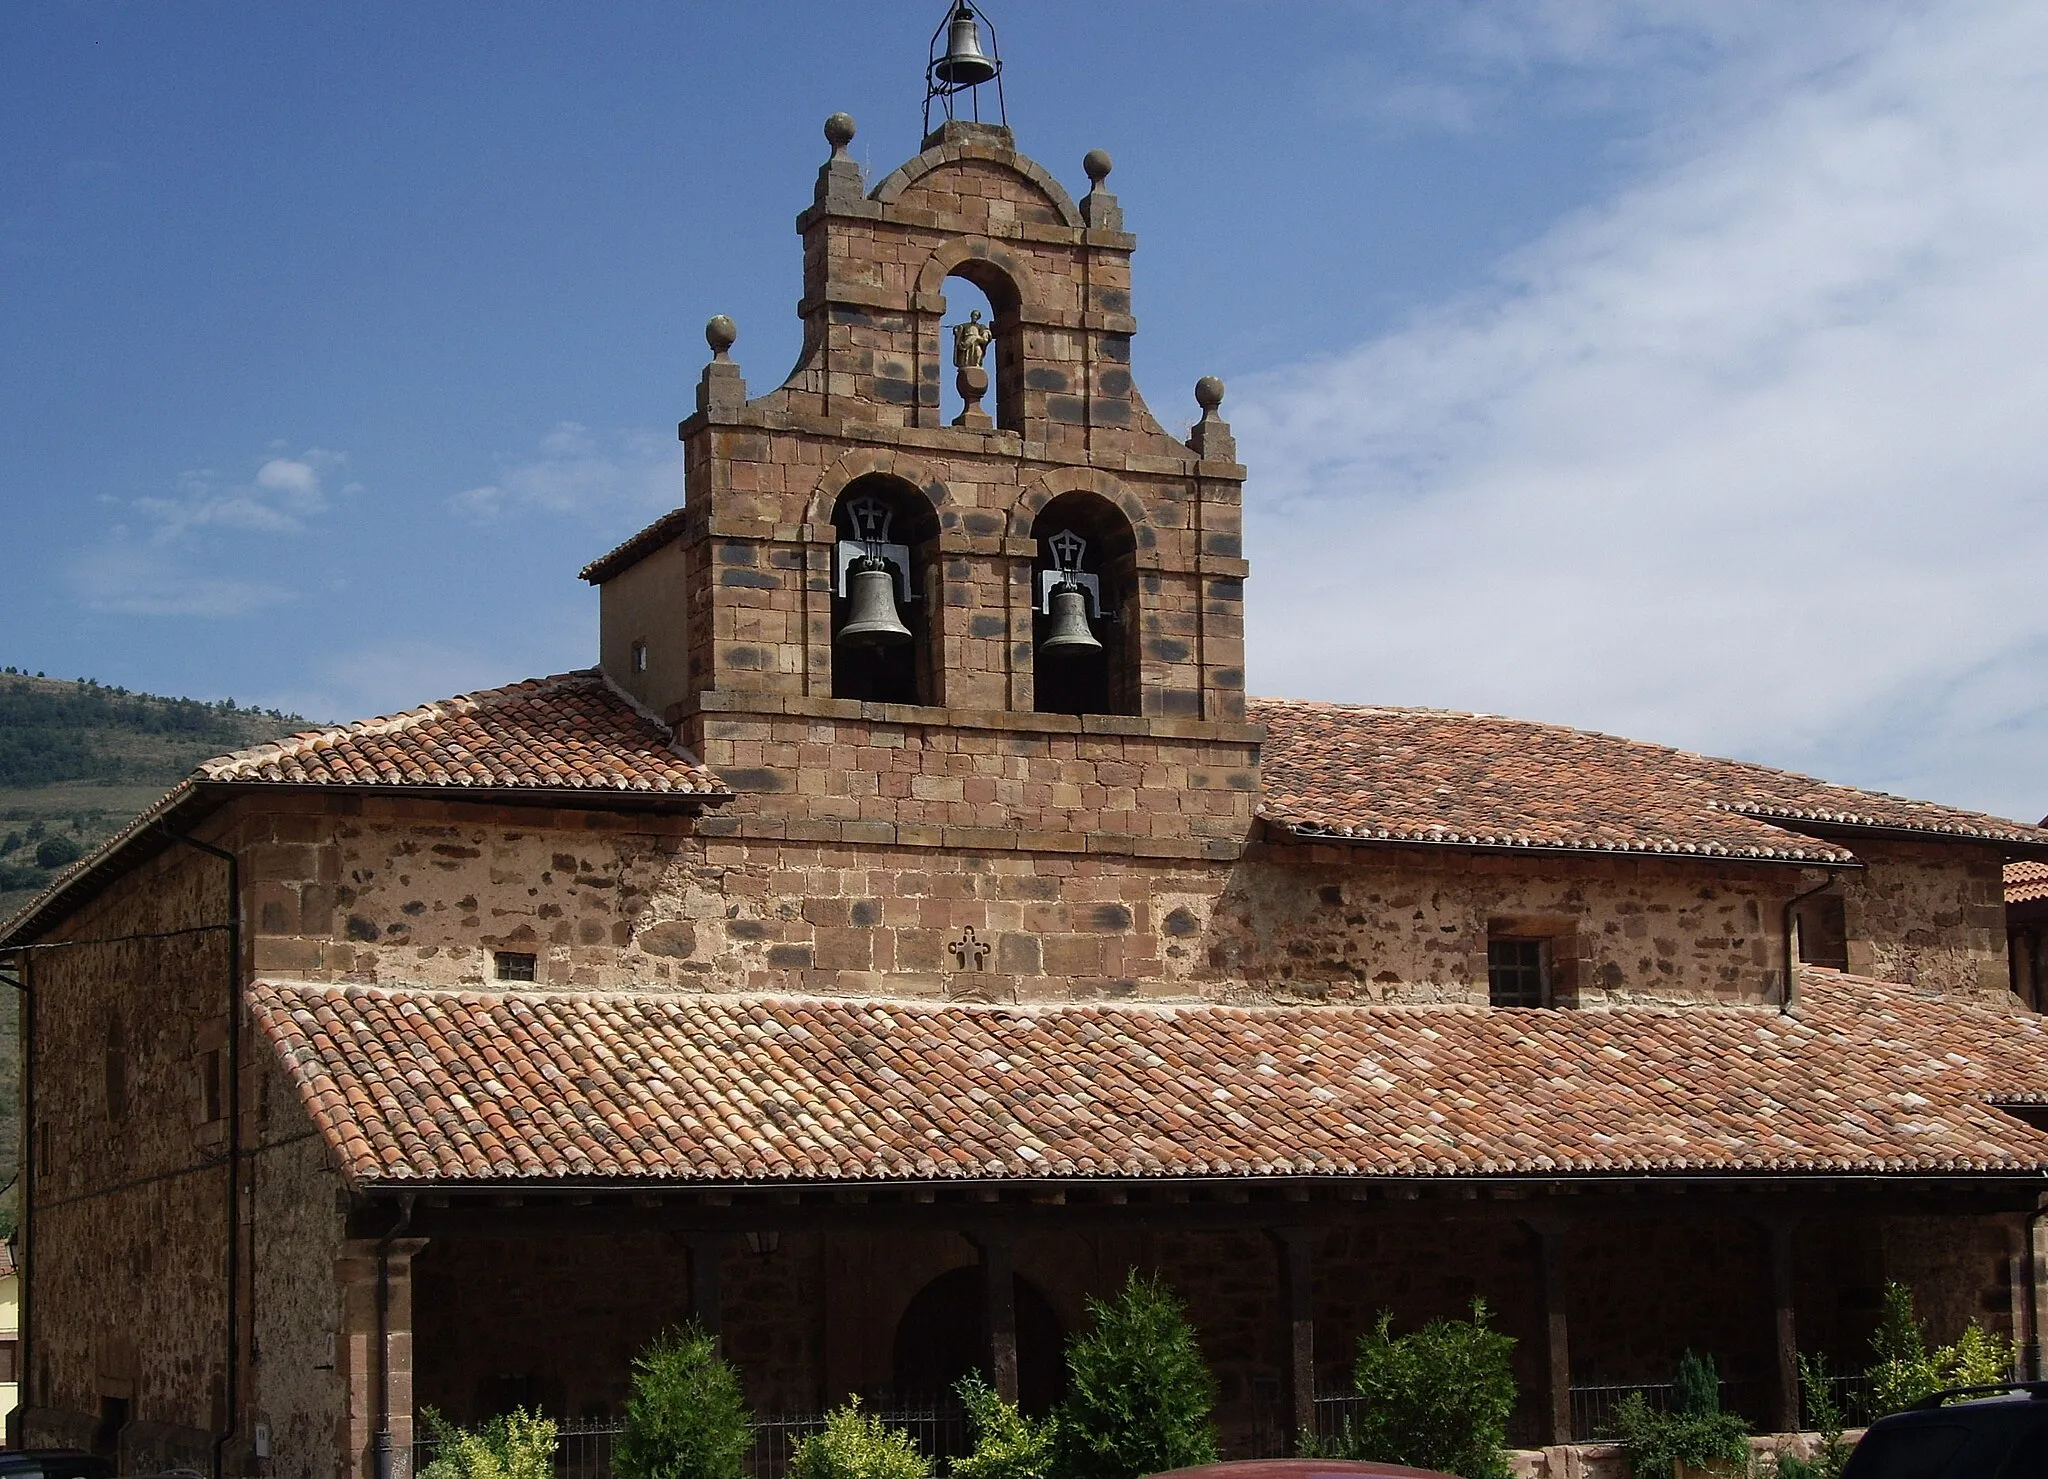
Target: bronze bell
[(964, 63), (871, 619), (1069, 633)]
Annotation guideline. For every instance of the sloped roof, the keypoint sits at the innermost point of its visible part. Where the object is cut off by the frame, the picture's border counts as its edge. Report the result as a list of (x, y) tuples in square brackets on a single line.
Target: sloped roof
[(1427, 775), (569, 732), (2025, 882), (414, 1085)]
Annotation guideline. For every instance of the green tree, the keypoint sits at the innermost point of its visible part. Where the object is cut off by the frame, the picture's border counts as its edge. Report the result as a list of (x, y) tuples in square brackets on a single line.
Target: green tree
[(1824, 1415), (687, 1417), (1905, 1370), (857, 1445), (1139, 1393), (57, 852), (1007, 1444), (1435, 1398)]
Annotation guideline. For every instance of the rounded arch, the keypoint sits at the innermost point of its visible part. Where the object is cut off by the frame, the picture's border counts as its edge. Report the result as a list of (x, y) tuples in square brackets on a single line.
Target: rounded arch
[(864, 462), (1011, 285), (937, 158), (943, 1335), (1091, 538), (1062, 481)]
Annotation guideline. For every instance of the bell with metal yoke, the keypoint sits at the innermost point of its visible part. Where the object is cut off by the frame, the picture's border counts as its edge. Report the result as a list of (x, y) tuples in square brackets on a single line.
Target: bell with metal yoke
[(1067, 630), (871, 617), (965, 64)]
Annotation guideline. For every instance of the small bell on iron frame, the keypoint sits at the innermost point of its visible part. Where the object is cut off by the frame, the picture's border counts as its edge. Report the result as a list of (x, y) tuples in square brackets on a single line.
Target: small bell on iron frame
[(963, 66)]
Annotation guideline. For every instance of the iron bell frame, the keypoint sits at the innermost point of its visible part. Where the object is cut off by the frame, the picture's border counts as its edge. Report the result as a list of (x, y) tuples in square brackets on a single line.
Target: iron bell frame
[(945, 91)]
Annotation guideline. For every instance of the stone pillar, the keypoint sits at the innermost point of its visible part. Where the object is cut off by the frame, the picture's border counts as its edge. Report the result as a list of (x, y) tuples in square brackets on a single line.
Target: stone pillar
[(1785, 1409), (2018, 1270), (1297, 1247), (999, 1294), (1550, 1233), (707, 1259), (363, 1366)]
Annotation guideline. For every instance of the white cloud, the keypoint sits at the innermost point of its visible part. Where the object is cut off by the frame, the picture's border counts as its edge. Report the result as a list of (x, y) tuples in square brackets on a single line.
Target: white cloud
[(576, 471), (1750, 457), (165, 556)]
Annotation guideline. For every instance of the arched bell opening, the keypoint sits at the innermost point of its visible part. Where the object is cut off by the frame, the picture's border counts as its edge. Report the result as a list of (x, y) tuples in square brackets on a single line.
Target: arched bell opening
[(1085, 599), (943, 1335), (994, 300), (883, 583)]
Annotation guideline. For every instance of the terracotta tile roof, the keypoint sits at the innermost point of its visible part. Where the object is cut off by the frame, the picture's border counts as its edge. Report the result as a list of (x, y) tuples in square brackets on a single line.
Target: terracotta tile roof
[(1426, 775), (570, 732), (2025, 882), (411, 1085)]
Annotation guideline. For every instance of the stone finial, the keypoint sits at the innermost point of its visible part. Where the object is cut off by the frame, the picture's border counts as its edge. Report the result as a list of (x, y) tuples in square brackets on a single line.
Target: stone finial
[(839, 180), (722, 390), (1099, 208), (1211, 438)]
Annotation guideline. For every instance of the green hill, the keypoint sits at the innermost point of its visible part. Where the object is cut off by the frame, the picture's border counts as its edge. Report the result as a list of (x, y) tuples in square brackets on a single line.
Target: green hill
[(78, 760)]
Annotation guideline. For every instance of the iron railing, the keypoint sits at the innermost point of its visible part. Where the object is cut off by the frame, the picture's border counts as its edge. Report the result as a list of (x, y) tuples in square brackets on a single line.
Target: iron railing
[(1595, 1403), (938, 1429)]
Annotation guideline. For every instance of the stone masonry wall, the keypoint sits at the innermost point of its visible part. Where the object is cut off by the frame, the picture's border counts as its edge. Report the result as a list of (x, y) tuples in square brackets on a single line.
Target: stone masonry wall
[(421, 892), (1929, 915)]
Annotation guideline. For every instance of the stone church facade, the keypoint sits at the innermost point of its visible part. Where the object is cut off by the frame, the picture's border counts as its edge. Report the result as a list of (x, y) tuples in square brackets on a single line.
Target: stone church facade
[(877, 1002)]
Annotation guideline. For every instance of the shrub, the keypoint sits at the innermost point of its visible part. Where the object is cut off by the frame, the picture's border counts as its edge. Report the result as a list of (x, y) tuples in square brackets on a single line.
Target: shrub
[(1007, 1444), (686, 1417), (1139, 1393), (857, 1445), (1906, 1371), (518, 1445), (1824, 1414), (1437, 1398), (1697, 1434)]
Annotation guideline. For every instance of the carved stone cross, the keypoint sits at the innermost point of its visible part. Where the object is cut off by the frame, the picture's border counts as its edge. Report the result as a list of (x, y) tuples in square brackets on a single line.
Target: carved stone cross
[(972, 954)]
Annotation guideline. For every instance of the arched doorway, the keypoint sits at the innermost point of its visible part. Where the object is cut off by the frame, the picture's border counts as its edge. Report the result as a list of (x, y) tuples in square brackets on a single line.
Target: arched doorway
[(943, 1335)]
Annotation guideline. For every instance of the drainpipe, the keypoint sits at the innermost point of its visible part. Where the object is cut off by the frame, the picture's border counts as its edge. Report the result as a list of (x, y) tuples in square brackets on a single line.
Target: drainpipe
[(1789, 997), (381, 1444), (232, 1413)]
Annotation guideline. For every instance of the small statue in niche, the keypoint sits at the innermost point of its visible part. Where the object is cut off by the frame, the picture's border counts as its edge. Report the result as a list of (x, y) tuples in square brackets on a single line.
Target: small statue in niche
[(971, 341)]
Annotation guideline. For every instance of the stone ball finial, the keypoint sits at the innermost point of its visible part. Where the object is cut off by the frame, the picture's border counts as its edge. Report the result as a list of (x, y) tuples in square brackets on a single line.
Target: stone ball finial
[(721, 334), (1208, 393), (839, 131), (1097, 163)]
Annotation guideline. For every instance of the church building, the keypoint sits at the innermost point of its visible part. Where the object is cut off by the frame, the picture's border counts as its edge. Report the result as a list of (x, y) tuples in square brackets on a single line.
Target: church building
[(908, 926)]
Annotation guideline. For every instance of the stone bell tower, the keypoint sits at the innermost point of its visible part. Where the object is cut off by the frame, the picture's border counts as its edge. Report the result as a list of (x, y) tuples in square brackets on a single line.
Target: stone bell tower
[(1020, 626)]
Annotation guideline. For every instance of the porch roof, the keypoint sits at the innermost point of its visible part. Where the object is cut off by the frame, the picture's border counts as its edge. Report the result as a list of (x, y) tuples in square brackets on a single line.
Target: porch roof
[(415, 1086)]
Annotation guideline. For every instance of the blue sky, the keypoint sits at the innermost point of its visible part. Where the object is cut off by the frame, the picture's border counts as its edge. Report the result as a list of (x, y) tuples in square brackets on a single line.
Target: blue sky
[(1670, 367)]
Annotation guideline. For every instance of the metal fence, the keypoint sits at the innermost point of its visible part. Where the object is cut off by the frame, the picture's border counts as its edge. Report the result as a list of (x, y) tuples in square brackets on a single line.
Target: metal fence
[(1594, 1405), (938, 1429)]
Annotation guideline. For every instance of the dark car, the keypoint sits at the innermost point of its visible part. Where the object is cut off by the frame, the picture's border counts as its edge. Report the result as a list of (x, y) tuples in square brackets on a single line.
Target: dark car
[(1299, 1468), (53, 1463), (2003, 1435)]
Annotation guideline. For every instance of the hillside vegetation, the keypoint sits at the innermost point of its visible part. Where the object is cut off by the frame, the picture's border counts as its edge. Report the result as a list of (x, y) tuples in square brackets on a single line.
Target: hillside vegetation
[(78, 760)]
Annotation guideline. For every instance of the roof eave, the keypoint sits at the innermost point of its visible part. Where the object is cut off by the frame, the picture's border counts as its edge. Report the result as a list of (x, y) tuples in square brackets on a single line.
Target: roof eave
[(2014, 850), (1310, 832)]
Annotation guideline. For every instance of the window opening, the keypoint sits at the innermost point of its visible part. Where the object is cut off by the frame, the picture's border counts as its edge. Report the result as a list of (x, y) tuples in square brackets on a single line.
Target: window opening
[(117, 1075), (211, 1099), (515, 965), (1517, 972), (639, 657), (1822, 932)]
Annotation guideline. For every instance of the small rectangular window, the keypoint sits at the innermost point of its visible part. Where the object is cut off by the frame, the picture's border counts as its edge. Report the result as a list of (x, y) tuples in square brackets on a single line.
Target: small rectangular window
[(514, 965), (1823, 932), (10, 1360), (1517, 973), (212, 1098), (639, 657)]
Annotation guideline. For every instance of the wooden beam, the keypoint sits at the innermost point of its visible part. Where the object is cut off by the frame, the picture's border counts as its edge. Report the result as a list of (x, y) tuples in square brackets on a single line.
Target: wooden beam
[(1297, 1247), (1785, 1410), (1551, 1233), (999, 1294)]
